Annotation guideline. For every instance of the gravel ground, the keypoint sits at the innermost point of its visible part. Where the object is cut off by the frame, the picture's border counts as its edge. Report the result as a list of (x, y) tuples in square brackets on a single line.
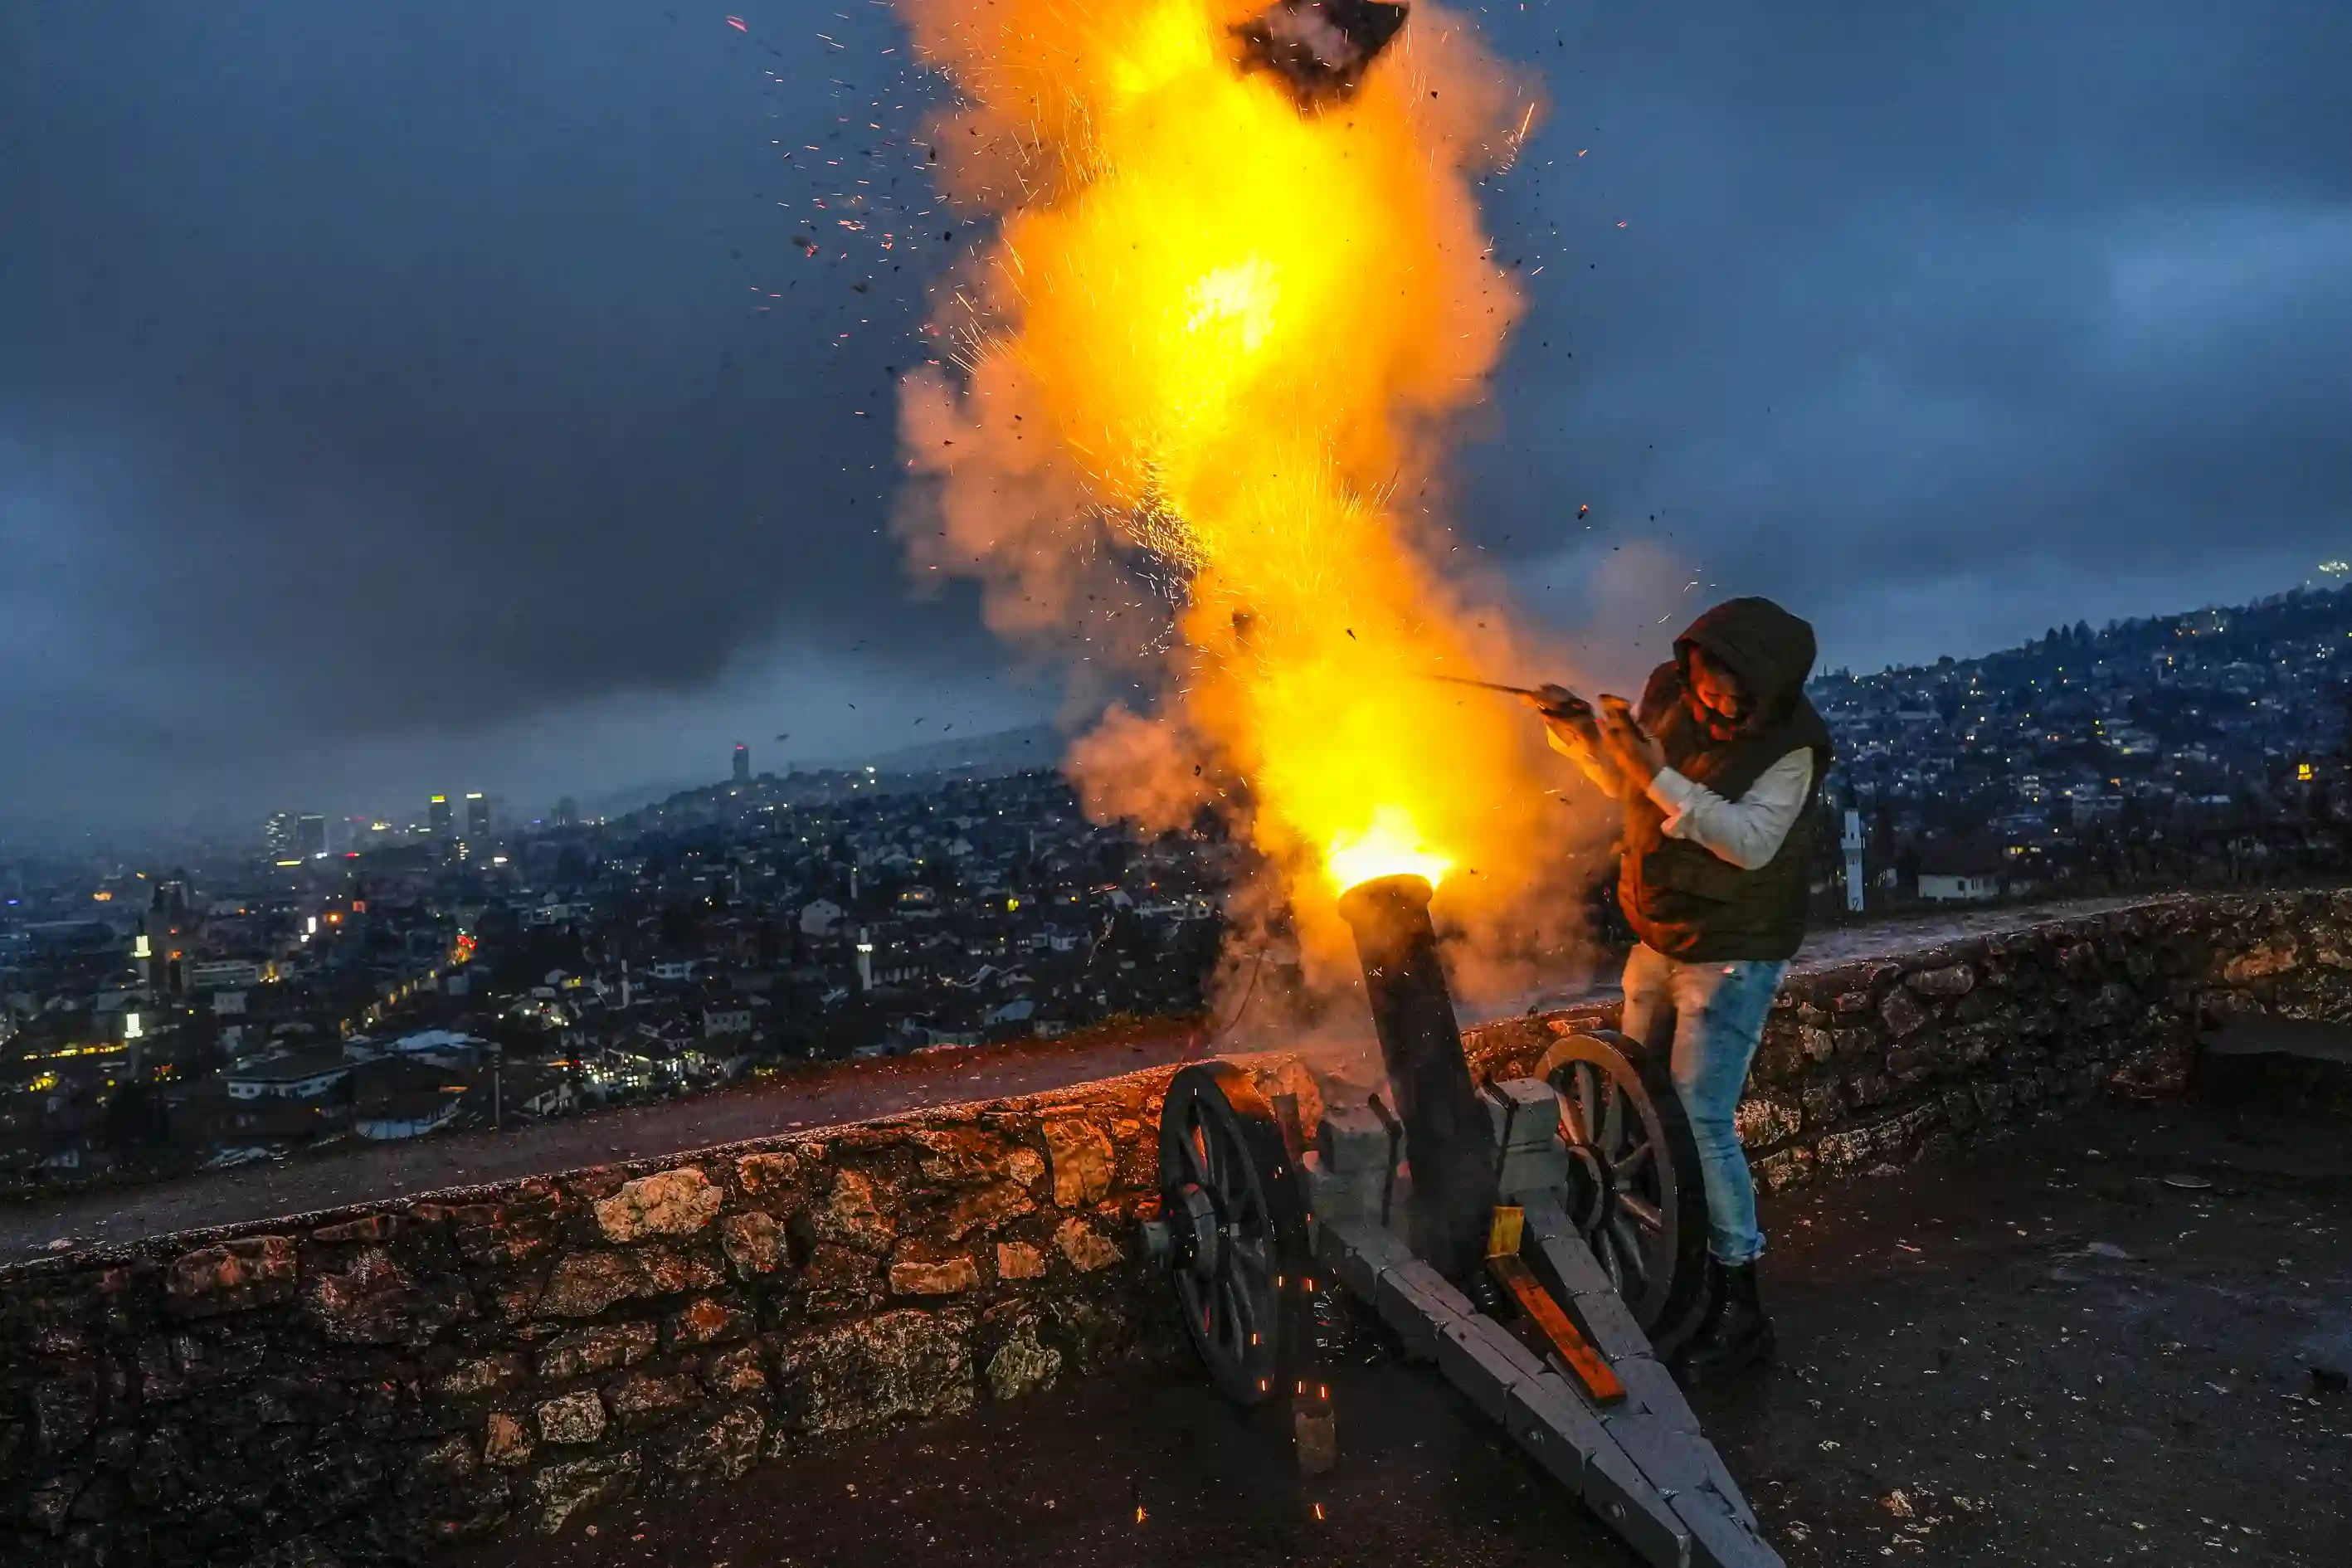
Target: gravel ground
[(2045, 1354)]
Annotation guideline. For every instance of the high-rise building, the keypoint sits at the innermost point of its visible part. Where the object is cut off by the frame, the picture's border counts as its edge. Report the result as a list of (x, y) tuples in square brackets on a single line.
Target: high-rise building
[(278, 835), (436, 817), (310, 836), (742, 763), (566, 813), (477, 816)]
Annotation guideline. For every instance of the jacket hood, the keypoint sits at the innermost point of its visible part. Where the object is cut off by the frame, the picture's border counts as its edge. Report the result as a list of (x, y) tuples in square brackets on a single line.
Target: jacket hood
[(1770, 652)]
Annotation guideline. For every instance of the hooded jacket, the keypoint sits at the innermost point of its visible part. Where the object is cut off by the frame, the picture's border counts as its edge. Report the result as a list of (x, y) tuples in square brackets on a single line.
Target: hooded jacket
[(1681, 898)]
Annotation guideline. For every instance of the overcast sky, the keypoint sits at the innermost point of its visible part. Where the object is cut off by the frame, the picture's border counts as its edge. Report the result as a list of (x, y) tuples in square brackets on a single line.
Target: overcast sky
[(447, 395)]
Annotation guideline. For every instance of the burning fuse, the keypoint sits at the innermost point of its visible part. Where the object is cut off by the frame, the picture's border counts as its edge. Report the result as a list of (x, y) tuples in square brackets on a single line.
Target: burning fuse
[(1320, 47)]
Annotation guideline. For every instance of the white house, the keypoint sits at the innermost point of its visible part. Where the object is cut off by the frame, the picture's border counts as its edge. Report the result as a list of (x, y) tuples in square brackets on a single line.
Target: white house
[(300, 1075), (1958, 887)]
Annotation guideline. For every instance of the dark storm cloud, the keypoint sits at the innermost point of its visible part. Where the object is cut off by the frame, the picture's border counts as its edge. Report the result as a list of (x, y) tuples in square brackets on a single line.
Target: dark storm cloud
[(401, 369), (386, 387), (1949, 324)]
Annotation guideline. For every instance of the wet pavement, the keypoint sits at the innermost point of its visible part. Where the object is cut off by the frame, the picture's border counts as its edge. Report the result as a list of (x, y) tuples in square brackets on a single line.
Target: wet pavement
[(2048, 1353)]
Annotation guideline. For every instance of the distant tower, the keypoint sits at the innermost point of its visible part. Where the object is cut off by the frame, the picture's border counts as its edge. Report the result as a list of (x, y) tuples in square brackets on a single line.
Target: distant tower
[(279, 835), (477, 816), (865, 958), (1851, 844), (310, 836), (436, 817), (742, 763)]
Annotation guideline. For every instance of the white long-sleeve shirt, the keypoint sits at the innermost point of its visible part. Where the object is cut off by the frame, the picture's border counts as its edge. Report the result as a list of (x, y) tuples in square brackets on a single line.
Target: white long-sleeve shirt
[(1746, 832)]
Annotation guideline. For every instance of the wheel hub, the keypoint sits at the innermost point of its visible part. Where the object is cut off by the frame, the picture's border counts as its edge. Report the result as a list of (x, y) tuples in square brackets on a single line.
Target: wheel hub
[(1200, 1235)]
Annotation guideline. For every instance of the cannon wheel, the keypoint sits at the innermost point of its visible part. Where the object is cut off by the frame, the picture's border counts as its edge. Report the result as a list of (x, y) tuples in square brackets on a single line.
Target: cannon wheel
[(1237, 1231), (1635, 1189)]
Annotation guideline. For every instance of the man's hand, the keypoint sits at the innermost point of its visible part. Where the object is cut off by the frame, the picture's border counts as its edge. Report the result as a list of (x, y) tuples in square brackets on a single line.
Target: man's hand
[(1568, 719), (1624, 742)]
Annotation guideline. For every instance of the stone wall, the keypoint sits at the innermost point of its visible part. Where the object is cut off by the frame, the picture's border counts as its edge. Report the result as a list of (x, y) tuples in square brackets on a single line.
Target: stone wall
[(433, 1368)]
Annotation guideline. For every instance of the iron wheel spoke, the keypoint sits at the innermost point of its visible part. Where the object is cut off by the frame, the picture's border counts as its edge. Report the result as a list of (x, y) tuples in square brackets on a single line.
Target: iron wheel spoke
[(1634, 1160), (1636, 1270), (1643, 1212), (1196, 1164), (1586, 1085)]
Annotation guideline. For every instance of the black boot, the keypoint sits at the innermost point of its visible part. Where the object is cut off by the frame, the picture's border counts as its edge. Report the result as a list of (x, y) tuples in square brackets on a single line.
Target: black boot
[(1735, 1334)]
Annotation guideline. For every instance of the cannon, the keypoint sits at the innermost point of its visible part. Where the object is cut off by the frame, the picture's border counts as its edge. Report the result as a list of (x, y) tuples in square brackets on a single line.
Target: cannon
[(1535, 1238)]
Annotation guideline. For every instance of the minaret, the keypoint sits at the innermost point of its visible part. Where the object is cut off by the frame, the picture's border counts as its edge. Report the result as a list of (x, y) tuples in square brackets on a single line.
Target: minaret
[(1851, 844)]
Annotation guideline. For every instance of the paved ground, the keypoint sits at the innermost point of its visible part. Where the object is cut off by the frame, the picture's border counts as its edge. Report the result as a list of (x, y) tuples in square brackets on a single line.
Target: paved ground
[(844, 1092), (2044, 1356)]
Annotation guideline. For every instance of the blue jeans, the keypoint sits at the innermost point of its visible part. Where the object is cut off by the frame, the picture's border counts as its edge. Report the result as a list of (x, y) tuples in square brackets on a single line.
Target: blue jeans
[(1719, 1012)]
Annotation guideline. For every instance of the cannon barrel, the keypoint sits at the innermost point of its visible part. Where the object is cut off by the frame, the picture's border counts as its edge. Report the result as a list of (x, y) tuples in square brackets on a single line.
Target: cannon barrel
[(1449, 1136)]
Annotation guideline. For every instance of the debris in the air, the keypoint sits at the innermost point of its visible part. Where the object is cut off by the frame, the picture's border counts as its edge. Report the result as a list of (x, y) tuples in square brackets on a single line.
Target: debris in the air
[(1320, 47)]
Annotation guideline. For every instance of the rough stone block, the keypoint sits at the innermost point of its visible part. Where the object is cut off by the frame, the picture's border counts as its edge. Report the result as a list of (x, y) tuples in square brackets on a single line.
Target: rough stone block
[(482, 1374), (1718, 1540), (907, 1363), (1087, 1248), (717, 1450), (768, 1174), (597, 1349), (851, 1217), (1789, 1168), (1762, 1123), (708, 1322), (585, 1283), (365, 1304), (1018, 1260), (1079, 1154), (643, 1399), (1023, 1364), (738, 1371), (753, 1243), (1951, 980), (838, 1279), (369, 1227), (236, 1276), (949, 1278), (576, 1417), (504, 1442), (564, 1490), (668, 1202), (986, 1208)]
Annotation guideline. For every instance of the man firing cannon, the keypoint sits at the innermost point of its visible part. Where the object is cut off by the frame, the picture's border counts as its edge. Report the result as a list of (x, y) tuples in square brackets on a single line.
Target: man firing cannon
[(1719, 769)]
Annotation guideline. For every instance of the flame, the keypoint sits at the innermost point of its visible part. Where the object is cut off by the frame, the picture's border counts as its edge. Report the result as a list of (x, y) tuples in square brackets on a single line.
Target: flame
[(1389, 848), (1226, 330)]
